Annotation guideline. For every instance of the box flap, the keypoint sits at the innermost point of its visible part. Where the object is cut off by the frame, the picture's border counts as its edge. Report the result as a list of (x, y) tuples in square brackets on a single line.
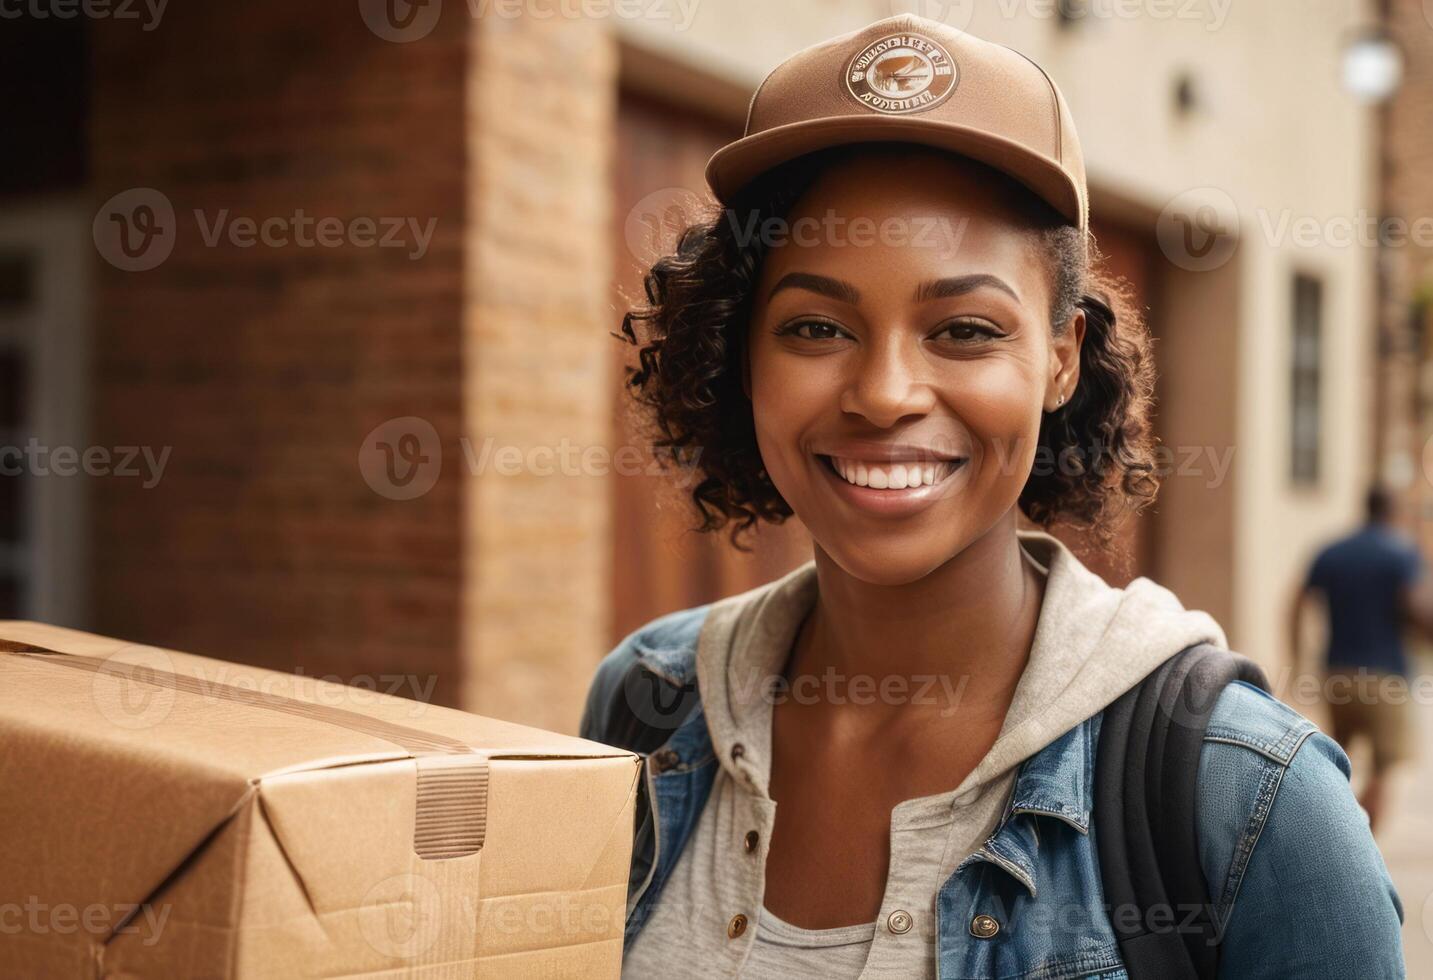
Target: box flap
[(247, 721)]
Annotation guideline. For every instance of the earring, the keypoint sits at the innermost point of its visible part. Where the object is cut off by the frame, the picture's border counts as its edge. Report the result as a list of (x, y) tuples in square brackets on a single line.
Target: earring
[(1059, 401)]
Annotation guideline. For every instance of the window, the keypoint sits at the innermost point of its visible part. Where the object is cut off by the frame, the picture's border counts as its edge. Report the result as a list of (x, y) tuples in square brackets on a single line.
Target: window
[(1307, 347), (16, 294)]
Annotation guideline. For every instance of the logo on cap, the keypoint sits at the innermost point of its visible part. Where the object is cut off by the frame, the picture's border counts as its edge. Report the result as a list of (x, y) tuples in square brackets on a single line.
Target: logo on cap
[(901, 73)]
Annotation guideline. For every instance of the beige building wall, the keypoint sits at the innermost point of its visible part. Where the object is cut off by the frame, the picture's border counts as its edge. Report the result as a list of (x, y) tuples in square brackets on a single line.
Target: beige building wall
[(1301, 150)]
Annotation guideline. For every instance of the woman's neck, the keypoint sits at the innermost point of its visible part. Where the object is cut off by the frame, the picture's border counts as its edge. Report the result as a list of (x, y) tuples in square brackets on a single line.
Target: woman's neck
[(961, 634)]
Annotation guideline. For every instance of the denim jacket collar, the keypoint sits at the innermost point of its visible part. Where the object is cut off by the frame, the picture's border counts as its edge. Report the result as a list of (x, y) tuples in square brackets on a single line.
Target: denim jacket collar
[(1056, 782)]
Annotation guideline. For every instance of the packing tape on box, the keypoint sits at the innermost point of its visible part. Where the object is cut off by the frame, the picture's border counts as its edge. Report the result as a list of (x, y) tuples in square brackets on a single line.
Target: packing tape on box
[(452, 793)]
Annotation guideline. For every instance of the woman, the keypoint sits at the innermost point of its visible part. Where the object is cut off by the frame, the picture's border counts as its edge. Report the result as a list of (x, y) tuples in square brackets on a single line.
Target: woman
[(881, 764)]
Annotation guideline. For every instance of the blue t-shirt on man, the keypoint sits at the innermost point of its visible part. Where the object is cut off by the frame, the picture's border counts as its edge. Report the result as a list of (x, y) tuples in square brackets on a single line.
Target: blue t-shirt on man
[(1362, 577)]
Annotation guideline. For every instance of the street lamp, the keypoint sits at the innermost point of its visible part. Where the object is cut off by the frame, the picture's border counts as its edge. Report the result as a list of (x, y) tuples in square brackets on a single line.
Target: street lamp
[(1372, 65)]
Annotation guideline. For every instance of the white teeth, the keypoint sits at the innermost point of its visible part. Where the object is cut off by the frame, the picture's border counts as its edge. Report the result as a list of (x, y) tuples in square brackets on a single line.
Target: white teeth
[(892, 476)]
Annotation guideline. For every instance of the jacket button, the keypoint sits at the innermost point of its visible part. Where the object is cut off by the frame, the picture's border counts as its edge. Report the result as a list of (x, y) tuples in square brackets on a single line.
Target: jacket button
[(737, 751), (663, 760), (899, 922), (752, 838), (983, 927), (736, 926)]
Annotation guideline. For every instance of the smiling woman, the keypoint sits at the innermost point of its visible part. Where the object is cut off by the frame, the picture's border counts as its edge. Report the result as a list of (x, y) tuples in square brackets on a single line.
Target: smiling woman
[(895, 329), (743, 282)]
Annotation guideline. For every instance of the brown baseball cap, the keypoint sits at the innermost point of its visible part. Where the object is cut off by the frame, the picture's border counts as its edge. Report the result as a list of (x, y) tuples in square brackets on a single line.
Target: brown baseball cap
[(911, 79)]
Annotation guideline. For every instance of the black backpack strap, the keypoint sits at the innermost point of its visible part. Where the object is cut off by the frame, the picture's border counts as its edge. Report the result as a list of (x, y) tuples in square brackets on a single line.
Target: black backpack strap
[(1146, 784)]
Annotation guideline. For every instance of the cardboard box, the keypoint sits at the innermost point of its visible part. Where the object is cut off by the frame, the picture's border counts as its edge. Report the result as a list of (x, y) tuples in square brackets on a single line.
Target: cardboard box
[(167, 815)]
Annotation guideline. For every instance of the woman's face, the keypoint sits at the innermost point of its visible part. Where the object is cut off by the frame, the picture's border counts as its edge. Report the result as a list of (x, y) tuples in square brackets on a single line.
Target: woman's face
[(900, 358)]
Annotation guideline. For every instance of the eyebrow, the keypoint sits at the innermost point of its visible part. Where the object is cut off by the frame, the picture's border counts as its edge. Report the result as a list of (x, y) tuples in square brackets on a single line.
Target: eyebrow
[(934, 289), (824, 285), (960, 285)]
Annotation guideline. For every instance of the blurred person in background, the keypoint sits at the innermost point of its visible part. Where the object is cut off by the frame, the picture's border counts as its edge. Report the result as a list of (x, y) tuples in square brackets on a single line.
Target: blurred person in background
[(1369, 583)]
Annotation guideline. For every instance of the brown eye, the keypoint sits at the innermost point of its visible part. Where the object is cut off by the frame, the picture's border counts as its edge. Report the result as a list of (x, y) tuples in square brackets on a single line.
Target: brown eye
[(812, 330), (965, 331)]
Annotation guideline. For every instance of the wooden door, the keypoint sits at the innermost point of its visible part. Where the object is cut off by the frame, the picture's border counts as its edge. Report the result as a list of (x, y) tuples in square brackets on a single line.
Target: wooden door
[(658, 564), (1129, 254)]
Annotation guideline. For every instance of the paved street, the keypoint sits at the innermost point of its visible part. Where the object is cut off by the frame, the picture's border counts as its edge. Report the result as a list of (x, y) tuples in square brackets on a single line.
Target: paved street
[(1407, 843)]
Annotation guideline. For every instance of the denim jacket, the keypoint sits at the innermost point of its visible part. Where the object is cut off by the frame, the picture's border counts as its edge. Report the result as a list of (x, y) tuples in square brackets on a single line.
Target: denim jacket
[(1298, 887)]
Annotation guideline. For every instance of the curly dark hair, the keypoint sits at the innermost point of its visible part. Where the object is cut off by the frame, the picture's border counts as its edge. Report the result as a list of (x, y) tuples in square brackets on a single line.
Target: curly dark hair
[(1095, 460)]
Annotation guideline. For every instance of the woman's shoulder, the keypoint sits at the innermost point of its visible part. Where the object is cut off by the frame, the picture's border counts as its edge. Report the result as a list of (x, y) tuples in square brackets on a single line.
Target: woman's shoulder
[(1286, 848), (665, 650), (1248, 716), (664, 644), (667, 645)]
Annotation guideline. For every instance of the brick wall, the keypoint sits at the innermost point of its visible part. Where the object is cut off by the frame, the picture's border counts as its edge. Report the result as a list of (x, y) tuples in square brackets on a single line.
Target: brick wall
[(1407, 384), (265, 367), (537, 382)]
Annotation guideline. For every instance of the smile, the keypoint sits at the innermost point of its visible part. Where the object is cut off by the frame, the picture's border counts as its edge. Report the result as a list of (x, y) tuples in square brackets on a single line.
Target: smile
[(893, 488), (892, 476)]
